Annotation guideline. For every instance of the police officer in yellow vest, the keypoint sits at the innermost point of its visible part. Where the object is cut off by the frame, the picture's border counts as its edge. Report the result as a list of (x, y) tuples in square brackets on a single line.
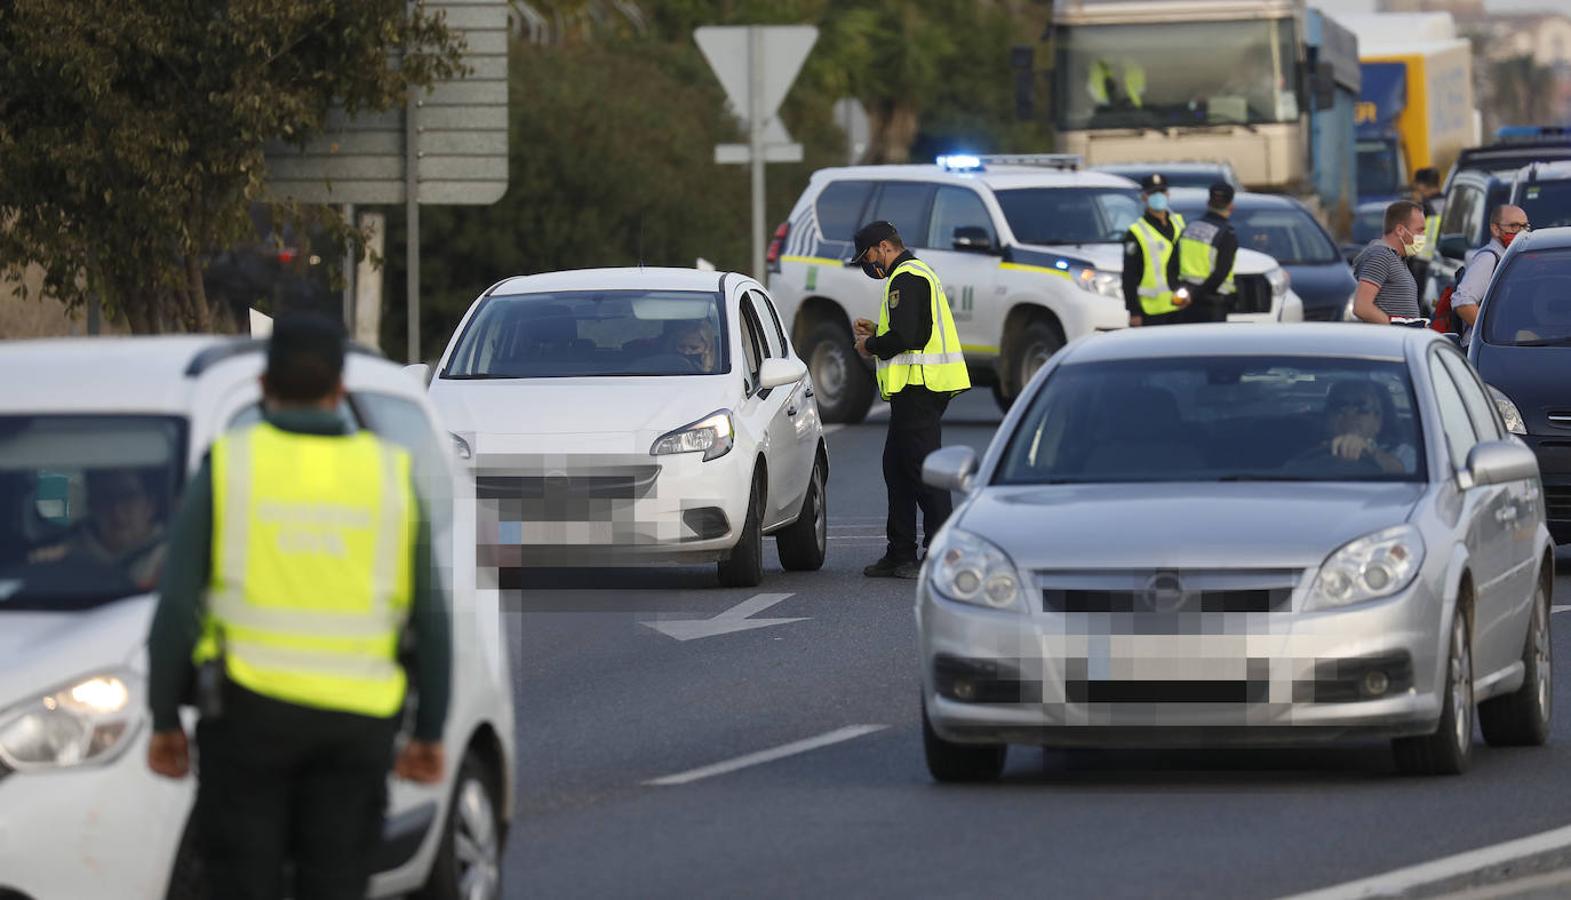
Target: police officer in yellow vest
[(1151, 263), (1207, 249), (299, 566), (920, 367)]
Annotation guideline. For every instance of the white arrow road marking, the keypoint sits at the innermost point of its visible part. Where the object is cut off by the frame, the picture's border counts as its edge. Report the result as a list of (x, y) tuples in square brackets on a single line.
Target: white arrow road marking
[(763, 756), (732, 620)]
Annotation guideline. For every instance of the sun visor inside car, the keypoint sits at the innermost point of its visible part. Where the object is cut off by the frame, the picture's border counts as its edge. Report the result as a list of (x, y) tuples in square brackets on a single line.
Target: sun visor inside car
[(88, 444)]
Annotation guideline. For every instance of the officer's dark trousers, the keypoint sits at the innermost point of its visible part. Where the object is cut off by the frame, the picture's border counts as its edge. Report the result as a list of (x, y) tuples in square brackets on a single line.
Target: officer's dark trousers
[(283, 782), (915, 431)]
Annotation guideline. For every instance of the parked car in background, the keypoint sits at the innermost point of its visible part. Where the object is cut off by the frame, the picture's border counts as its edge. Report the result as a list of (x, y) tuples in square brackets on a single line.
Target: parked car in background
[(1285, 230), (1521, 347), (1178, 174), (1369, 221), (1543, 190)]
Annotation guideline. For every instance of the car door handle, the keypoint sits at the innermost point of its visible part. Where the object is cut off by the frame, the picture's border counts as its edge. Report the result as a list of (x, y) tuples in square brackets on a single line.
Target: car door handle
[(791, 410), (807, 391)]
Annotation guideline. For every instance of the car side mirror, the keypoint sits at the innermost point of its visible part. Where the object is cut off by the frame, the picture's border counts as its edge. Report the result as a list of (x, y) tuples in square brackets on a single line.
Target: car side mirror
[(1499, 462), (1453, 246), (950, 469), (973, 239), (779, 372), (420, 372)]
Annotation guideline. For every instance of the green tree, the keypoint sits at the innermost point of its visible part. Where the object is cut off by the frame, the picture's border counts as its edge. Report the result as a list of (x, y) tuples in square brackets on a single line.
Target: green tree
[(132, 131)]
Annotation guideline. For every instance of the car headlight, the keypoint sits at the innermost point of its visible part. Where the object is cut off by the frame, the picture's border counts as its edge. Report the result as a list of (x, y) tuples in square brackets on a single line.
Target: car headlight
[(461, 446), (1373, 566), (1278, 280), (1508, 411), (90, 721), (1098, 281), (972, 570), (712, 435)]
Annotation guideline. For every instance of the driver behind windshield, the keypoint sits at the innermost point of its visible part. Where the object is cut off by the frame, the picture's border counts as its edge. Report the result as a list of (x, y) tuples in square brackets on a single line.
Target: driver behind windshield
[(123, 527), (1360, 419), (695, 341)]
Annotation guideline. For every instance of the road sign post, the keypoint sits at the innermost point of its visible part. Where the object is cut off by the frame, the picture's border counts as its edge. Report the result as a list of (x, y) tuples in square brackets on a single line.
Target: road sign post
[(756, 65)]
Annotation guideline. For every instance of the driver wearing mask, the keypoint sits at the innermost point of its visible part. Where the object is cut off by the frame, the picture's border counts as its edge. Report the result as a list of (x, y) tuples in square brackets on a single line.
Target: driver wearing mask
[(122, 530), (695, 342)]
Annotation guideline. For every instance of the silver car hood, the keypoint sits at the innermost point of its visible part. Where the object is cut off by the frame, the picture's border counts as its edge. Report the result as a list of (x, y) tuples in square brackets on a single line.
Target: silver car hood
[(1183, 525)]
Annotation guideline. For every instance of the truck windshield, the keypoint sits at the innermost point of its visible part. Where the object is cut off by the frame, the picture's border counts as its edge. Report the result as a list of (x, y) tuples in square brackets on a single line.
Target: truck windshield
[(1158, 75), (1379, 173), (1547, 204)]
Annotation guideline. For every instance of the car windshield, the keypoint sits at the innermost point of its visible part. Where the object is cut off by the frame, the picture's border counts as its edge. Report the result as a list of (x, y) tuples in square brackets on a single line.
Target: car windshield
[(1070, 215), (85, 504), (1528, 303), (1230, 418), (1379, 172), (1156, 75), (1547, 203), (593, 333), (1290, 236)]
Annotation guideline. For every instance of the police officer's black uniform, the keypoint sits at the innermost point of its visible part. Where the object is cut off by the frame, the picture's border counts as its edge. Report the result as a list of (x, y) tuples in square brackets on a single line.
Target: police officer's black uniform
[(1135, 261), (1209, 304)]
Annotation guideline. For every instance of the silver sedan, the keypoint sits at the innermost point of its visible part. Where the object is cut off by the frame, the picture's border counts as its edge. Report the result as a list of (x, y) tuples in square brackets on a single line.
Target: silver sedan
[(1206, 536)]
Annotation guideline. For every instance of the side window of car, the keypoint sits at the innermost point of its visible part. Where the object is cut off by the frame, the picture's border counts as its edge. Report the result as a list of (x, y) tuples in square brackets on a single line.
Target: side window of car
[(953, 208), (1479, 407), (1458, 210), (769, 322), (839, 207), (904, 204), (752, 348), (1454, 420)]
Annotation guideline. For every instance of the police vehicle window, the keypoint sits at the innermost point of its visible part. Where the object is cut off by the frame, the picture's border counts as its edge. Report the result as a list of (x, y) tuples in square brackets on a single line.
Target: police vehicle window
[(1454, 420), (769, 323), (839, 207), (1547, 203), (905, 205), (1460, 211), (956, 208), (567, 334), (752, 348), (404, 423), (1218, 419), (85, 507), (1528, 303), (1479, 407), (1070, 215)]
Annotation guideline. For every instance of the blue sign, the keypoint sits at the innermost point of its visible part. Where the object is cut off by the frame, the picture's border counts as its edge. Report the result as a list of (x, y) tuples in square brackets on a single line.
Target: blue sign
[(1381, 98)]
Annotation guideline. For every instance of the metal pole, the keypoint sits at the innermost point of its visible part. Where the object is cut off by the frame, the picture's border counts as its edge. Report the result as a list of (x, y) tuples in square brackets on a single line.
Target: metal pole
[(349, 274), (412, 217), (92, 312), (755, 120)]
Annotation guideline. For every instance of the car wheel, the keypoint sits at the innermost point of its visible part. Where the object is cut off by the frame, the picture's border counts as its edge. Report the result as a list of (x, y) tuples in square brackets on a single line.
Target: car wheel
[(1035, 346), (1521, 718), (841, 381), (468, 863), (1449, 750), (803, 544), (958, 763), (744, 567)]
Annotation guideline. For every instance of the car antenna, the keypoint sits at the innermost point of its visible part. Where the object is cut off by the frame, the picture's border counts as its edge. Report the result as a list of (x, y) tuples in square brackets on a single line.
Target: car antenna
[(640, 240)]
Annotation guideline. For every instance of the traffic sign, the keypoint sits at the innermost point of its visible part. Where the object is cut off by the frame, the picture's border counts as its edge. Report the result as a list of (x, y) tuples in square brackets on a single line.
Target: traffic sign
[(851, 116)]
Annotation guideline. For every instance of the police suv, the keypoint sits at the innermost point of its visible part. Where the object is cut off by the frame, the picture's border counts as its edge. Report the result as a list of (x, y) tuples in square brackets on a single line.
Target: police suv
[(1029, 250)]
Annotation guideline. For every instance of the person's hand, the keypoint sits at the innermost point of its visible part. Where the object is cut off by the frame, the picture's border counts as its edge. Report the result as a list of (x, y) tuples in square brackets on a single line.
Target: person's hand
[(864, 327), (1135, 321), (169, 754), (421, 762), (1351, 446), (861, 346)]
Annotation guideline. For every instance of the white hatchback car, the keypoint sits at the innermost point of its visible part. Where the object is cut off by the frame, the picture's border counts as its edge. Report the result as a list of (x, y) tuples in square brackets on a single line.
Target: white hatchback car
[(631, 416), (80, 813)]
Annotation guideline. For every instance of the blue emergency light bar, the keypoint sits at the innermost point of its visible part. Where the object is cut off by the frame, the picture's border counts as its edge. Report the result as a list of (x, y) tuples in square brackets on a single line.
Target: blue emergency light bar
[(961, 162)]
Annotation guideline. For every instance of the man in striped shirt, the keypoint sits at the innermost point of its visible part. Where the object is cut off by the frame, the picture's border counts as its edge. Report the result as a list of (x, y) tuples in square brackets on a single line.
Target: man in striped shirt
[(1386, 287)]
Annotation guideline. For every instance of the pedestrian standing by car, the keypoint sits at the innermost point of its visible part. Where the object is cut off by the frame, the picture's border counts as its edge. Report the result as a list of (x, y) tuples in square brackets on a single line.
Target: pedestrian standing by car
[(920, 367), (1386, 286), (1505, 223), (1207, 249), (1150, 265), (299, 565), (1427, 193)]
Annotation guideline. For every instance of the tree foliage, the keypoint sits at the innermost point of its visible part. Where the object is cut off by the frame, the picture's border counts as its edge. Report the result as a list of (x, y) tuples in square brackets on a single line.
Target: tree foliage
[(132, 131)]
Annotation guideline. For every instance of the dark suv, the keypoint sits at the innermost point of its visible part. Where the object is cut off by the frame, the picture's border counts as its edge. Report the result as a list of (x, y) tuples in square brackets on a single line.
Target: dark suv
[(1543, 190), (1521, 347), (1464, 225)]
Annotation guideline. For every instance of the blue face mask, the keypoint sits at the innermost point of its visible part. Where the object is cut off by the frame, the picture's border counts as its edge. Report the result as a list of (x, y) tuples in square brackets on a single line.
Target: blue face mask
[(1157, 202)]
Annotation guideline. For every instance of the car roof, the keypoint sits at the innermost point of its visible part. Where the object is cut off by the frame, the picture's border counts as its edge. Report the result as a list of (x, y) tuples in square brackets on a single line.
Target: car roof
[(629, 278), (1547, 239), (1242, 199), (997, 177), (1296, 339)]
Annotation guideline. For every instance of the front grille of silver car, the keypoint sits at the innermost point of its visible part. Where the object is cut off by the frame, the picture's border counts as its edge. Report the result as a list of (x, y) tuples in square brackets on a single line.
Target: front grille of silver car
[(1167, 591)]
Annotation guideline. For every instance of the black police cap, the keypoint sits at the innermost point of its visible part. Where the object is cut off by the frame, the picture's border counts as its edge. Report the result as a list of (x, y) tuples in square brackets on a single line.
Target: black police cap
[(1221, 193), (871, 235), (1153, 183)]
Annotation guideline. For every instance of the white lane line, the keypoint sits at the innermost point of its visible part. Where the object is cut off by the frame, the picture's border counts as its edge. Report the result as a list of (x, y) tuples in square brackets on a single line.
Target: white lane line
[(752, 759), (1400, 880), (1562, 608)]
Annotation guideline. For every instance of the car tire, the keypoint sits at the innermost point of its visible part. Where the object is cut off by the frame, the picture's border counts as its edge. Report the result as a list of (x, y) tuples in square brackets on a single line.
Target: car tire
[(841, 381), (744, 566), (953, 763), (1521, 718), (1035, 346), (803, 544), (468, 864), (1449, 750)]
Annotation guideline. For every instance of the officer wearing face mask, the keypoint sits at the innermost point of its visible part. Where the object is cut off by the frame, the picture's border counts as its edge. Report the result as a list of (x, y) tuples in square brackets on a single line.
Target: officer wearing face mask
[(1150, 263), (920, 367), (1386, 287)]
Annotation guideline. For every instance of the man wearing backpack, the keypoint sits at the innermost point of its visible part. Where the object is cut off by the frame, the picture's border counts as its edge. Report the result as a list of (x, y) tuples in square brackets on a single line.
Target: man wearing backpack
[(1505, 223)]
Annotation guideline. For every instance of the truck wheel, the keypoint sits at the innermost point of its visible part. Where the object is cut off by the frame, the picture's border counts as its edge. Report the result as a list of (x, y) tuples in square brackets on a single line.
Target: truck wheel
[(841, 380), (1035, 346)]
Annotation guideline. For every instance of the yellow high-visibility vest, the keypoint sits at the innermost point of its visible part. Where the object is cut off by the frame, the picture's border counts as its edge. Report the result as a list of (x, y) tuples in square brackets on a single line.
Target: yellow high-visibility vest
[(1156, 295), (313, 543), (1197, 255), (940, 365)]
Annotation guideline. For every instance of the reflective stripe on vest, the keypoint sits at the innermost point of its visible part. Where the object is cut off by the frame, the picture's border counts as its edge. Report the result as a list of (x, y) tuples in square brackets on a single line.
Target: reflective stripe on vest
[(312, 558), (1197, 255), (1156, 295), (940, 365)]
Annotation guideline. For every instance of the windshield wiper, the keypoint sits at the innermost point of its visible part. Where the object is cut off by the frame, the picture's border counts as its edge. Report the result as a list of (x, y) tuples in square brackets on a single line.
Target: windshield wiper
[(1545, 342)]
